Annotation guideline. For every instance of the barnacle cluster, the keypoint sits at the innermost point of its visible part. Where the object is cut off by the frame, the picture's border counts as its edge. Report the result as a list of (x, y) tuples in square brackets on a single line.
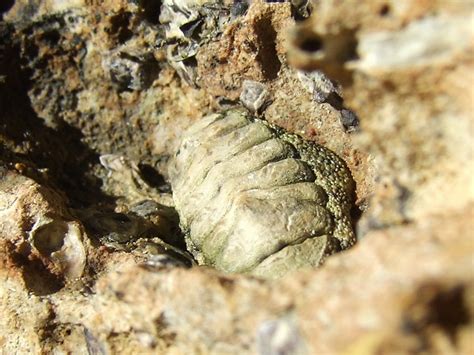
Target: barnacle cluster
[(255, 199)]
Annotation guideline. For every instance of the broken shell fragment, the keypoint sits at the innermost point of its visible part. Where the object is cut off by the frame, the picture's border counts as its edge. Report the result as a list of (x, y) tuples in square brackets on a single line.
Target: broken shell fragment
[(309, 50), (62, 242)]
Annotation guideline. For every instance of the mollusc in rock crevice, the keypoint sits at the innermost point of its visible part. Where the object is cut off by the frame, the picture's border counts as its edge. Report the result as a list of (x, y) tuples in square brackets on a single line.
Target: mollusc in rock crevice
[(256, 199)]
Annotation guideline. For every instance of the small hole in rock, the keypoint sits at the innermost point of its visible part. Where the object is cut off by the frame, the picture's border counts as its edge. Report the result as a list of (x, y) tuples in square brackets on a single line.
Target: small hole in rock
[(438, 306), (119, 26), (151, 10), (50, 37), (153, 177), (384, 10), (267, 53), (311, 44), (448, 310), (31, 50)]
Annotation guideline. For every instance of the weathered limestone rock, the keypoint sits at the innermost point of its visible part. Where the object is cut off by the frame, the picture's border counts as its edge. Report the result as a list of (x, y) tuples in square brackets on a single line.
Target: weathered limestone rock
[(386, 85)]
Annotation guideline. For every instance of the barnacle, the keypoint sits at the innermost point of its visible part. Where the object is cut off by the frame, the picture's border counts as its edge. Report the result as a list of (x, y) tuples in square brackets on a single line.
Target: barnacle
[(256, 199), (62, 242)]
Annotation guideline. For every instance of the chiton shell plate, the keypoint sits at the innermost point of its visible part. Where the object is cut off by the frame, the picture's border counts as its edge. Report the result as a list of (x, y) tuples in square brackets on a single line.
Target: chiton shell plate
[(253, 198)]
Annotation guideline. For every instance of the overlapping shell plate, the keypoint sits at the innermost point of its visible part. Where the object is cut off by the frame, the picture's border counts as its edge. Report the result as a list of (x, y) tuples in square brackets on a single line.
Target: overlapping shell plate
[(255, 199)]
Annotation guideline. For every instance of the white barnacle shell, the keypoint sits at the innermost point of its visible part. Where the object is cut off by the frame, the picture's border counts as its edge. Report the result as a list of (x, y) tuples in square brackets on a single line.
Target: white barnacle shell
[(62, 242), (255, 199)]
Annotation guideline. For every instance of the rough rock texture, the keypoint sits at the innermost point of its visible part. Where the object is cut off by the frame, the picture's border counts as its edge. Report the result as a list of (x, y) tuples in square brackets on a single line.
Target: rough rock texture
[(94, 96)]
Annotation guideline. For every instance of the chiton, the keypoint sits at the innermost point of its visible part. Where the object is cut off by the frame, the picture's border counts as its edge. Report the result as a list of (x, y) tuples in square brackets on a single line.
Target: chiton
[(255, 199)]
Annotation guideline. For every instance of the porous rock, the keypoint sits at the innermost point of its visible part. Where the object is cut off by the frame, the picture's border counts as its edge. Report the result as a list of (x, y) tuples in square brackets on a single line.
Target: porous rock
[(406, 287), (37, 227)]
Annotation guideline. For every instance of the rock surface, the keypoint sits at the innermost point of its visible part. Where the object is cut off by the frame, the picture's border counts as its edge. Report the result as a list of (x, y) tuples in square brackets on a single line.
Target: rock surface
[(94, 97)]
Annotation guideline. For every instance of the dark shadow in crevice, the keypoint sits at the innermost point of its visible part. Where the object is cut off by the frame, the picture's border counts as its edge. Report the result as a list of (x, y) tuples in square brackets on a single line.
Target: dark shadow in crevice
[(119, 26), (348, 118), (151, 10), (38, 279), (449, 310), (144, 221), (60, 151), (267, 54), (153, 178), (437, 307), (385, 10), (6, 5)]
